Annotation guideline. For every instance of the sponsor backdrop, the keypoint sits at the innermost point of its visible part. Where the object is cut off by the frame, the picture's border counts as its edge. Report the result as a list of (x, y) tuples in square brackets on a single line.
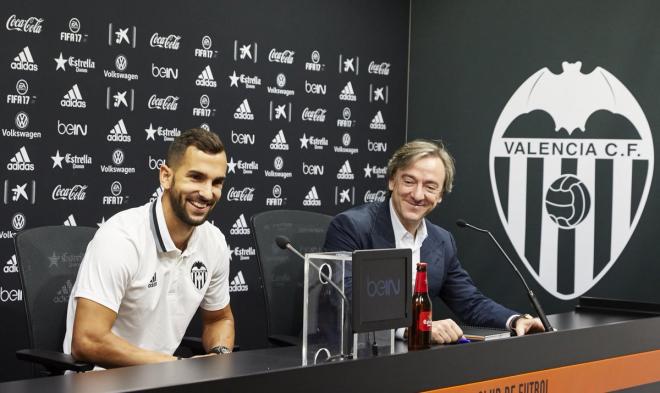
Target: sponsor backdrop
[(551, 110), (308, 98)]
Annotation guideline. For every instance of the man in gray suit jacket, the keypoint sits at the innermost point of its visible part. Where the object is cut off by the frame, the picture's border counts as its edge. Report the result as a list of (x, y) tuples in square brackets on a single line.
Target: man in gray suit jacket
[(419, 174)]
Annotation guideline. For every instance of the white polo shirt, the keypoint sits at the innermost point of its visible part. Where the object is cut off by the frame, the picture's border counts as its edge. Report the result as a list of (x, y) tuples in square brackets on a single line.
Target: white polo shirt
[(133, 267)]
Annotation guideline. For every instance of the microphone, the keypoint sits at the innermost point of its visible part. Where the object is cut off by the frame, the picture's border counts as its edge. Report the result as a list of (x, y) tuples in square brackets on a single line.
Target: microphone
[(284, 243), (532, 298)]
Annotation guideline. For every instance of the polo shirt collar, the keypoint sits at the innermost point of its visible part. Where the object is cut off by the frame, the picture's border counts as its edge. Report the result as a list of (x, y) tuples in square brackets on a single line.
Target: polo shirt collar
[(162, 236)]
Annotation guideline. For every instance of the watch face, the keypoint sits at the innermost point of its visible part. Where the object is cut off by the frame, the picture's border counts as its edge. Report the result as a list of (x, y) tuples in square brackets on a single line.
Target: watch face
[(224, 350)]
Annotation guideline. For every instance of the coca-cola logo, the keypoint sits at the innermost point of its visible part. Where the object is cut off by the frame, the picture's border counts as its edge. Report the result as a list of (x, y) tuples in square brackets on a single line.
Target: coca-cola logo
[(314, 115), (379, 69), (377, 196), (29, 25), (166, 42), (285, 56), (238, 195), (169, 103), (75, 193)]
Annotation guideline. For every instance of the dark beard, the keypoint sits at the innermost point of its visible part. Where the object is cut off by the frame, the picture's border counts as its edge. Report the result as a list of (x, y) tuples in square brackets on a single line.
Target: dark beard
[(177, 203)]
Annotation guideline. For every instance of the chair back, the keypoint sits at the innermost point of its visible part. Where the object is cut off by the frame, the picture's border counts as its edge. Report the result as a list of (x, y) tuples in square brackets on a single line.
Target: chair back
[(49, 258), (281, 270)]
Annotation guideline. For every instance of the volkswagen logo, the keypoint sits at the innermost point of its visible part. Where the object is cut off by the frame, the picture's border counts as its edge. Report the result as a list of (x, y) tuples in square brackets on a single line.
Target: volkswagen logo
[(121, 63), (278, 163), (118, 157), (281, 80), (346, 139), (18, 221), (22, 120)]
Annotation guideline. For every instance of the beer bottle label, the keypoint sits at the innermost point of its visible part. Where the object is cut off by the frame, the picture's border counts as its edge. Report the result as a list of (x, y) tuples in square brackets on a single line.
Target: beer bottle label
[(424, 321)]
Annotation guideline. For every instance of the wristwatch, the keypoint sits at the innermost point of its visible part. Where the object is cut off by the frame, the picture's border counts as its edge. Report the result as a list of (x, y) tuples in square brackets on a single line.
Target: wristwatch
[(515, 320), (220, 350)]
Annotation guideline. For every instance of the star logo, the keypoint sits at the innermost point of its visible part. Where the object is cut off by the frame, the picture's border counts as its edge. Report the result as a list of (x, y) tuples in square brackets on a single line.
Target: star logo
[(348, 65), (280, 111), (231, 253), (54, 260), (57, 159), (120, 99), (19, 191), (344, 197), (122, 35), (367, 171), (100, 224), (303, 141), (378, 94), (233, 80), (61, 62), (151, 131), (245, 51), (231, 166)]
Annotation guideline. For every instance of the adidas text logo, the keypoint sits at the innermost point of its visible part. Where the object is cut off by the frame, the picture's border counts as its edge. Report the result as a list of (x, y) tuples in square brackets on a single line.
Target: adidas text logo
[(73, 99), (377, 123), (312, 198), (70, 221), (240, 227), (238, 283), (345, 172), (11, 266), (279, 142), (24, 61), (348, 94), (118, 133), (243, 112), (153, 282), (206, 78), (20, 161), (63, 294)]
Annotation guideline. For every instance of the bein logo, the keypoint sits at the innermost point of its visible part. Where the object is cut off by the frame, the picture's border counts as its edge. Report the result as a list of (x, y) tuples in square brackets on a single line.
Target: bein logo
[(380, 288)]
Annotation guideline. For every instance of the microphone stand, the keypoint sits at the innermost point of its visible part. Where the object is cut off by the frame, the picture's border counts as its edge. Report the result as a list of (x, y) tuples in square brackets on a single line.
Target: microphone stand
[(284, 243), (530, 293)]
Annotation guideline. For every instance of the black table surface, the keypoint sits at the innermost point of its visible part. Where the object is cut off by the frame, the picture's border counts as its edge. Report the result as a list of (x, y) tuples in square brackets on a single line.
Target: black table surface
[(582, 332)]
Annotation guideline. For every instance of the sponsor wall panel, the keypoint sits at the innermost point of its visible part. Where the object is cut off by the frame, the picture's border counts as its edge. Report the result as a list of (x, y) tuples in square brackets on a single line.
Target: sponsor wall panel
[(309, 100), (552, 116)]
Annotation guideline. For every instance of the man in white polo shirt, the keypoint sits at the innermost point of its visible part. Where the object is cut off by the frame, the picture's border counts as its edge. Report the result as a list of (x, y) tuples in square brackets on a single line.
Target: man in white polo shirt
[(148, 269)]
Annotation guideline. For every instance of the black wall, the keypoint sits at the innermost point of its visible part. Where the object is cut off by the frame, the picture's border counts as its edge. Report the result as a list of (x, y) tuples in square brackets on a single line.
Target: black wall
[(467, 60), (366, 31)]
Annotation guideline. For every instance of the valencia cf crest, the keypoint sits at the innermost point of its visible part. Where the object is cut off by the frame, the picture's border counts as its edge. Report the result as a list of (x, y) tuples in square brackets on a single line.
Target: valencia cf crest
[(571, 165), (199, 274)]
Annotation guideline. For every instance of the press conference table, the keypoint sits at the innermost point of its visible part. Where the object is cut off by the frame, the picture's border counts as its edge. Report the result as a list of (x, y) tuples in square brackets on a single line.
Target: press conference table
[(586, 341)]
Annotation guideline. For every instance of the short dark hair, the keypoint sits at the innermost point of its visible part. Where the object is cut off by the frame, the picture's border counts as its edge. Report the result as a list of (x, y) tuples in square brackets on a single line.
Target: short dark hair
[(422, 148), (204, 140)]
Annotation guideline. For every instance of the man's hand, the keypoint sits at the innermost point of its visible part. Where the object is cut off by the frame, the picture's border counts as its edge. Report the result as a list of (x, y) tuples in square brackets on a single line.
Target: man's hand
[(524, 326), (445, 331)]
